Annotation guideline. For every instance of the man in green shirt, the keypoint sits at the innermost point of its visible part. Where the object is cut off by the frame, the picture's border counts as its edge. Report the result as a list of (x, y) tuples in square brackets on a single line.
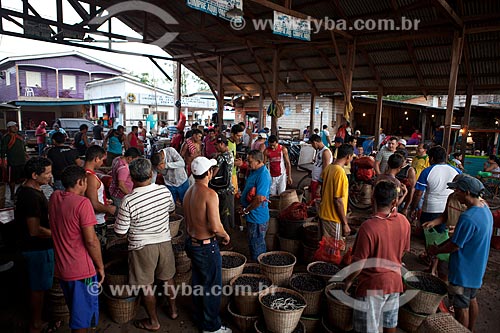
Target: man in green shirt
[(12, 148)]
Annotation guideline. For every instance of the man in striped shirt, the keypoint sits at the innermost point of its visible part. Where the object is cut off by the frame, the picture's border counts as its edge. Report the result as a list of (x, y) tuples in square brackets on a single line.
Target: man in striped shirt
[(144, 214)]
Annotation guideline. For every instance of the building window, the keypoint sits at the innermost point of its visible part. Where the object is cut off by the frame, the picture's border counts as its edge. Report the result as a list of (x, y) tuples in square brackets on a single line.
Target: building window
[(69, 82), (33, 79), (7, 78)]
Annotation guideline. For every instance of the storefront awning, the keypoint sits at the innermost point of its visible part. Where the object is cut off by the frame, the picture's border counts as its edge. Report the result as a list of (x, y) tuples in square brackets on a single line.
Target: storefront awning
[(66, 102)]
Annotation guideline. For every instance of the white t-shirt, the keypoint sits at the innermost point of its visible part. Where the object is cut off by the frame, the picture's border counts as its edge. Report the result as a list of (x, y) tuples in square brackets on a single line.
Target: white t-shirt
[(434, 181), (318, 164)]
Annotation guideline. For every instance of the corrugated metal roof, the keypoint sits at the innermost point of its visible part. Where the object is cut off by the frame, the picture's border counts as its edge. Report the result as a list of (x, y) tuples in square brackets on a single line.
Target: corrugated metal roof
[(378, 53)]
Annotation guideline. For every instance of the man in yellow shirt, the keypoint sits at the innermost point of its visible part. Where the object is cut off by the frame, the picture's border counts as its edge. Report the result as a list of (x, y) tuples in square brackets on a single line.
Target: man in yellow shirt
[(421, 160), (334, 195)]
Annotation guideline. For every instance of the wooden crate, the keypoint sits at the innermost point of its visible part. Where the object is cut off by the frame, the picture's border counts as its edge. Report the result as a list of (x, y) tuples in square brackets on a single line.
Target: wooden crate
[(289, 134)]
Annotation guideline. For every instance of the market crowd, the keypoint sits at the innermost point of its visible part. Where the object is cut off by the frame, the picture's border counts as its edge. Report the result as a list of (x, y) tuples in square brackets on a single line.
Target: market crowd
[(222, 177)]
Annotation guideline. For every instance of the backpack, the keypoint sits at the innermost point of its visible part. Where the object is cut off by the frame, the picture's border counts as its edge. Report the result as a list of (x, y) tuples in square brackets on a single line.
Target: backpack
[(222, 179)]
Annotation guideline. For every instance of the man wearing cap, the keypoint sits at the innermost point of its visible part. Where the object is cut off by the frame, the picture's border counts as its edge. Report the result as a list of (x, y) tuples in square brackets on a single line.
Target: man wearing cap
[(13, 149), (254, 199), (41, 135), (201, 211), (279, 166), (469, 248), (260, 142), (144, 217), (222, 182), (401, 144)]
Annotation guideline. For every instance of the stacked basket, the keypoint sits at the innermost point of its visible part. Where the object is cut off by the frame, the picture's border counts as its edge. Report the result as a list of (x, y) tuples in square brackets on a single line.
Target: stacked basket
[(339, 315), (245, 308), (312, 289), (281, 314), (423, 302), (233, 264), (278, 272), (310, 240), (122, 306), (272, 230)]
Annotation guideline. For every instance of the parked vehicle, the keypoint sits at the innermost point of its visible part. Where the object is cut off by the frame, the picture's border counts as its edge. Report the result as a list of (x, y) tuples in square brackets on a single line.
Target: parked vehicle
[(72, 126)]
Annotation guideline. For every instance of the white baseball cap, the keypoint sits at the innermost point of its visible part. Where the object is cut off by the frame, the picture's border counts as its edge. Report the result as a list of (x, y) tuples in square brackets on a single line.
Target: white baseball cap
[(263, 135), (11, 123), (402, 141), (201, 164)]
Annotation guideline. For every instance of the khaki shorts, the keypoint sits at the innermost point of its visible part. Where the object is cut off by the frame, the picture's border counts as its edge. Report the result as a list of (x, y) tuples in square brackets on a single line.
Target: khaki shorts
[(330, 229), (150, 262)]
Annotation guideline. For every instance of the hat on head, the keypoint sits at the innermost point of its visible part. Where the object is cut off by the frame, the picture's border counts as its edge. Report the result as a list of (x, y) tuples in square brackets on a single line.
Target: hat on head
[(263, 135), (338, 139), (201, 164), (467, 183), (221, 139), (11, 123), (357, 132), (402, 141), (43, 123)]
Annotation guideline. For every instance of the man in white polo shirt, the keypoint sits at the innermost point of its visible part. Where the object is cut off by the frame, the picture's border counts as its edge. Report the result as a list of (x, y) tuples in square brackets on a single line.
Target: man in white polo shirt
[(144, 214)]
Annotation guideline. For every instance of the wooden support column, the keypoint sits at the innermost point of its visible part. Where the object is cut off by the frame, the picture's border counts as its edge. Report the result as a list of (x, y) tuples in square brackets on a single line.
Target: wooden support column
[(465, 125), (313, 109), (351, 60), (452, 87), (220, 92), (177, 90), (262, 113), (378, 117), (274, 93)]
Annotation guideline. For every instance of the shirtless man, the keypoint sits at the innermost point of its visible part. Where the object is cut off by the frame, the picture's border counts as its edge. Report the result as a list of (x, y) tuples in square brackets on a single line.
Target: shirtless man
[(201, 210)]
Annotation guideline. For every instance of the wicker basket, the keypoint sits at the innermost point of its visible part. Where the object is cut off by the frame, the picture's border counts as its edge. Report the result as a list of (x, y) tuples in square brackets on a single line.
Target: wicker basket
[(314, 299), (325, 277), (273, 225), (271, 242), (180, 278), (179, 239), (257, 327), (229, 273), (339, 315), (409, 321), (287, 198), (294, 246), (244, 323), (325, 326), (424, 302), (278, 274), (251, 267), (121, 310), (183, 267), (442, 323), (175, 221), (311, 238), (279, 320), (311, 324), (247, 304), (117, 279), (308, 253), (274, 202)]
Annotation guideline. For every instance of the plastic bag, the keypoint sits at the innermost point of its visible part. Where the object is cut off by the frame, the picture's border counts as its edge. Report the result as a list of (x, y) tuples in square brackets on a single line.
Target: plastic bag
[(347, 259), (432, 237), (330, 250), (295, 212)]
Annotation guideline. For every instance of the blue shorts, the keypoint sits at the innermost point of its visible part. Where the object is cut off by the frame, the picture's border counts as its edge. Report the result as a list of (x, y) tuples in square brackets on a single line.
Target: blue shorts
[(460, 297), (40, 265), (178, 192), (82, 298)]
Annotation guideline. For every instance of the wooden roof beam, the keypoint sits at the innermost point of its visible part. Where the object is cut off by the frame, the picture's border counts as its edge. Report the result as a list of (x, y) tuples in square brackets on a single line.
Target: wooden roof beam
[(305, 76), (258, 62), (330, 65), (445, 7), (373, 69), (242, 70), (228, 78)]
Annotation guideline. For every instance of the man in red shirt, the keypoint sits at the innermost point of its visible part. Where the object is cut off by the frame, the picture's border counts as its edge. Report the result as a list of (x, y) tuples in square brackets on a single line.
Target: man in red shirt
[(78, 263), (279, 166), (384, 237), (41, 136)]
